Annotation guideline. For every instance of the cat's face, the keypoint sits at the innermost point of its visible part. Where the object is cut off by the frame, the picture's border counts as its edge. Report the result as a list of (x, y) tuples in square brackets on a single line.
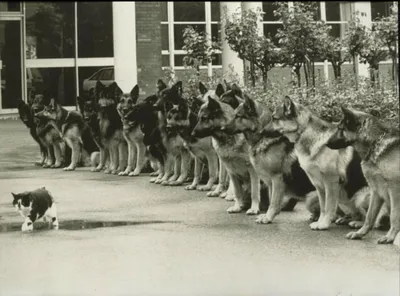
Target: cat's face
[(22, 201)]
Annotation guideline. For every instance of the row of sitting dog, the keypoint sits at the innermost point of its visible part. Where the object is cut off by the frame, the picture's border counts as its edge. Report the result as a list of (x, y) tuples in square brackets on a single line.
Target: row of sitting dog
[(347, 172)]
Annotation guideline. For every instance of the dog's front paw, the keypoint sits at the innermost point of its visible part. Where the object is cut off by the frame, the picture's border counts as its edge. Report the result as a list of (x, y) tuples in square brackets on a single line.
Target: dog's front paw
[(214, 193), (191, 187), (164, 183), (345, 220), (204, 188), (384, 240), (39, 163), (175, 183), (154, 174), (356, 224), (313, 217), (67, 169), (134, 174), (253, 211), (27, 226), (107, 171), (56, 165), (263, 219), (124, 173), (319, 225), (236, 208), (354, 235)]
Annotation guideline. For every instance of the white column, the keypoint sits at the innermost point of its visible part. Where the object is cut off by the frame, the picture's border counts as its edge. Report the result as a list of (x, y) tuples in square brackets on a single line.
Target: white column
[(124, 28), (323, 18), (229, 57), (366, 19)]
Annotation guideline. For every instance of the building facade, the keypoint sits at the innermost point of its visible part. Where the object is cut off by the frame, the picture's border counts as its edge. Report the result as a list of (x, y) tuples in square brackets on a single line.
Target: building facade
[(65, 47)]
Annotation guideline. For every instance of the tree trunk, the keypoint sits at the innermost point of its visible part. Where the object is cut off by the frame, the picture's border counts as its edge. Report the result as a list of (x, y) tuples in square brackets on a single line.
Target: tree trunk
[(305, 73), (313, 75), (355, 71), (297, 71), (265, 80), (252, 74)]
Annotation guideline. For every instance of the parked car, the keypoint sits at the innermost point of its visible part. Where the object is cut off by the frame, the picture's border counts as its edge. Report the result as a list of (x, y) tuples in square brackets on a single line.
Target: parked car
[(105, 75)]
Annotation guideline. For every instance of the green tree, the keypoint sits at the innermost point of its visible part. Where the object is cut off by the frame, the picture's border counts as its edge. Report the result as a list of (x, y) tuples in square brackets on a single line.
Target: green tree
[(243, 37)]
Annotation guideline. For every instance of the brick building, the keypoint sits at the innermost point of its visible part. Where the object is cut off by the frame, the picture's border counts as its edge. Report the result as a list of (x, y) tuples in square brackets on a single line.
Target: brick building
[(66, 47)]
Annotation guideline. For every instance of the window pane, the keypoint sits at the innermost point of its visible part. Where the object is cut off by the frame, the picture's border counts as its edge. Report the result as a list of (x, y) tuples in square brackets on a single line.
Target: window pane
[(164, 37), (268, 9), (179, 60), (10, 6), (179, 33), (271, 30), (215, 11), (58, 82), (189, 11), (95, 29), (217, 61), (332, 11), (164, 11), (215, 34), (380, 9), (10, 59), (165, 61), (87, 81), (50, 27), (317, 16)]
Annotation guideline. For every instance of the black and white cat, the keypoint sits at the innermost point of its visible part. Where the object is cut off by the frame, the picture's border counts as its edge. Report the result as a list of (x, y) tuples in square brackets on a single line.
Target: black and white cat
[(33, 205)]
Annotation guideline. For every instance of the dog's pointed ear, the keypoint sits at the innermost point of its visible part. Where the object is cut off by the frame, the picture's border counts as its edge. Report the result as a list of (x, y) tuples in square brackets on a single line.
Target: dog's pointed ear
[(213, 104), (288, 106), (228, 86), (178, 87), (135, 93), (115, 90), (349, 118), (236, 89), (203, 89), (219, 91), (161, 85)]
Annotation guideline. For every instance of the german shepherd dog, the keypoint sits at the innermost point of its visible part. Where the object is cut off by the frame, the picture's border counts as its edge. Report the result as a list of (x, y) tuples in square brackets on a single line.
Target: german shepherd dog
[(111, 131), (73, 130), (378, 144), (26, 114), (132, 134), (146, 116), (183, 118), (50, 136), (178, 161), (231, 149), (336, 174), (272, 156)]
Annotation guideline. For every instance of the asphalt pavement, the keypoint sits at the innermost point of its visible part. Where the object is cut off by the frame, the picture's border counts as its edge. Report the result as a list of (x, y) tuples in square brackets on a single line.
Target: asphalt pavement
[(125, 236)]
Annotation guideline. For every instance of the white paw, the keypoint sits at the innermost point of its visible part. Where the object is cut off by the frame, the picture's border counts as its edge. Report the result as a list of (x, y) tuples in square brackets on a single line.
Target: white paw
[(55, 226), (263, 219), (124, 173), (191, 187), (204, 188), (69, 169), (319, 225), (27, 226), (236, 208), (253, 211), (356, 224), (134, 174)]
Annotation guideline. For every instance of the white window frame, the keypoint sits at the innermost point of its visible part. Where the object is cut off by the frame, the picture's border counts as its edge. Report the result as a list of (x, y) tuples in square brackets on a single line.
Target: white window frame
[(171, 52), (74, 62)]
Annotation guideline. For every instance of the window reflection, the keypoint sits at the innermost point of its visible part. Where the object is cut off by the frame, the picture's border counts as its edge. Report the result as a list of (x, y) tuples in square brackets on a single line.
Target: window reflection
[(50, 29)]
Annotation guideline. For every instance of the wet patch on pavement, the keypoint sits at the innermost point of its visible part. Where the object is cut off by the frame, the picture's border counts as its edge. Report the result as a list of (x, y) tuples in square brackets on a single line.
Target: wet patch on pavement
[(79, 225)]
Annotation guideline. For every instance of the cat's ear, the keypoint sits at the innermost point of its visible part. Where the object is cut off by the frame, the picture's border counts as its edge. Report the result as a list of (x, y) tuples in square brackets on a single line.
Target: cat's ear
[(14, 195)]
